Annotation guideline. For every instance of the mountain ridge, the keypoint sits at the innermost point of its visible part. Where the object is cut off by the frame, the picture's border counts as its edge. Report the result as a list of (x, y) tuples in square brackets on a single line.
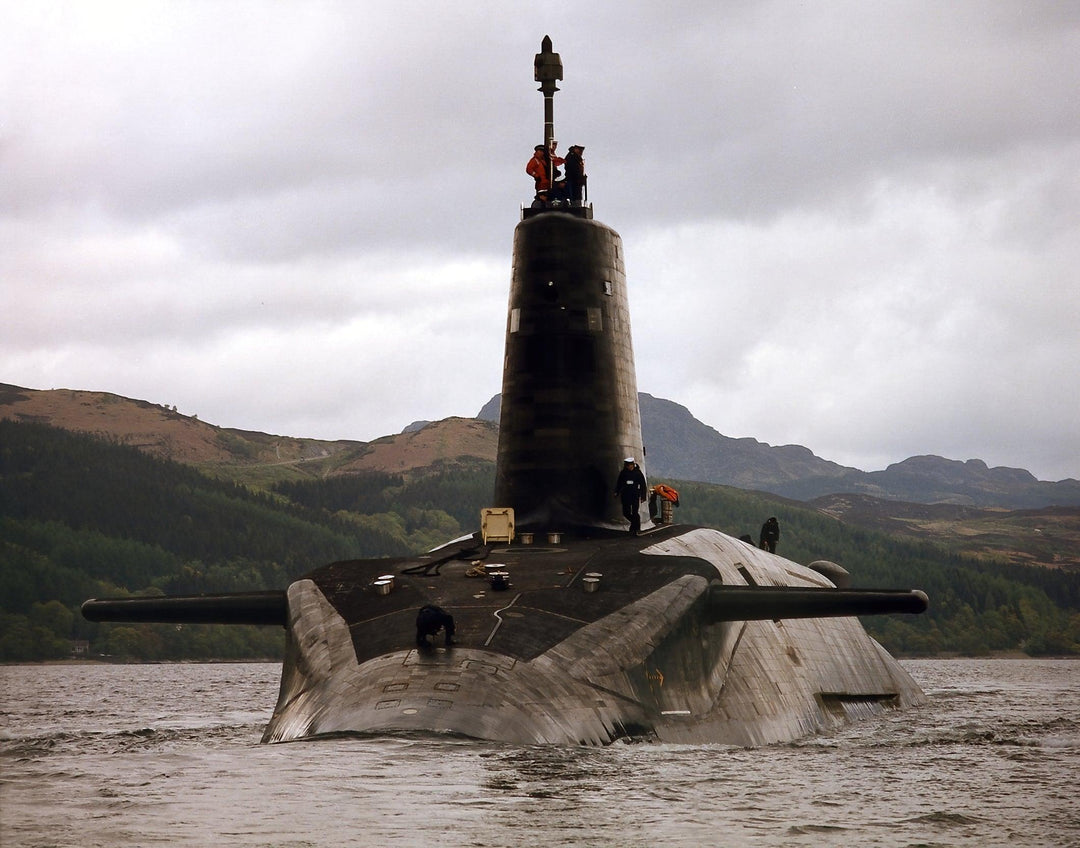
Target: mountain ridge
[(678, 446)]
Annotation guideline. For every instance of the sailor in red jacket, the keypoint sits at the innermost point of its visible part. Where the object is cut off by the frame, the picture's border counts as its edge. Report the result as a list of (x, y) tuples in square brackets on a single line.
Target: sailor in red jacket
[(542, 167), (537, 168)]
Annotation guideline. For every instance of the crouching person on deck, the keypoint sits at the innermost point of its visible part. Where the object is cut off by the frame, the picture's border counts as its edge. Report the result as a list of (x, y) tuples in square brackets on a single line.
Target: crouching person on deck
[(429, 621)]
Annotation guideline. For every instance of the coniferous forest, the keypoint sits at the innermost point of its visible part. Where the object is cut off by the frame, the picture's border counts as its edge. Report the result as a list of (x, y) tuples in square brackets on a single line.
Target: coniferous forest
[(81, 517)]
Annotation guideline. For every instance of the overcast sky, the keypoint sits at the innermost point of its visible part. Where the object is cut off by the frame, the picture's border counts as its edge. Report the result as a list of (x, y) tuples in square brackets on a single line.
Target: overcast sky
[(848, 225)]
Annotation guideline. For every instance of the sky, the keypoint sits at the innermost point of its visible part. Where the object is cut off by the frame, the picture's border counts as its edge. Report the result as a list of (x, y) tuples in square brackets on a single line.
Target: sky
[(851, 226)]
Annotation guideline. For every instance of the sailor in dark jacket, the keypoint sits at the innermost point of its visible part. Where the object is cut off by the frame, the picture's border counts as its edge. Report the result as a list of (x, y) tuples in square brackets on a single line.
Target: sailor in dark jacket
[(770, 535), (575, 173), (632, 490)]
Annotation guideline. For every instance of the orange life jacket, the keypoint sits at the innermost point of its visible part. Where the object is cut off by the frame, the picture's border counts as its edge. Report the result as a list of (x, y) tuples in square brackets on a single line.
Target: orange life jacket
[(539, 169), (667, 493)]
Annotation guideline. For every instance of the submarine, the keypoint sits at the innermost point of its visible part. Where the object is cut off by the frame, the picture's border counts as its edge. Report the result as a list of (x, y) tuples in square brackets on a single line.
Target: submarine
[(561, 625)]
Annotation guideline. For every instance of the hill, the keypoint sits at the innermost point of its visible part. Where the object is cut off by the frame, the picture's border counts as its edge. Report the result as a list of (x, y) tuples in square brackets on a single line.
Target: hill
[(963, 506), (681, 447), (157, 429), (678, 445), (438, 443), (252, 457), (1047, 537), (82, 517)]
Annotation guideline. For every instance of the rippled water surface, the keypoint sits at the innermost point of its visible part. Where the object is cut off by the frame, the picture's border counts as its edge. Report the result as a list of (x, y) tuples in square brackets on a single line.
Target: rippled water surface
[(100, 755)]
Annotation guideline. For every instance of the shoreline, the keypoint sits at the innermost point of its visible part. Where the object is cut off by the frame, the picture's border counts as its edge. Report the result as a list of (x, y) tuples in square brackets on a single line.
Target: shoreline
[(277, 661), (944, 655)]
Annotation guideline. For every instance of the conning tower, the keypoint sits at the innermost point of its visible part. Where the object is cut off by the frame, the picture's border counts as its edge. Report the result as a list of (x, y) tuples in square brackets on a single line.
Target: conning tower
[(569, 395)]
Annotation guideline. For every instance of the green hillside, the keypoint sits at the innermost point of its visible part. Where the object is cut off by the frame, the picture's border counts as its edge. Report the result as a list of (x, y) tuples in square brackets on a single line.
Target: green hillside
[(81, 517), (976, 605)]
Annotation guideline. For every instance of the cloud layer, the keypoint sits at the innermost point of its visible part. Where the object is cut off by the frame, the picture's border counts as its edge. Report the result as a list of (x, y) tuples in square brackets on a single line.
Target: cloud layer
[(853, 227)]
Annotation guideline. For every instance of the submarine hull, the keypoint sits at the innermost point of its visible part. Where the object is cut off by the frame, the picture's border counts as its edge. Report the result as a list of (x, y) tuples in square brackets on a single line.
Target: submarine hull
[(679, 634), (548, 662), (599, 635)]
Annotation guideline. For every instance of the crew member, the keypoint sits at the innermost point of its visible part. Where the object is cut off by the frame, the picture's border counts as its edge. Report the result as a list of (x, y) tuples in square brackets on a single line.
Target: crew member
[(429, 621), (770, 535), (543, 168), (537, 168), (575, 173), (631, 489)]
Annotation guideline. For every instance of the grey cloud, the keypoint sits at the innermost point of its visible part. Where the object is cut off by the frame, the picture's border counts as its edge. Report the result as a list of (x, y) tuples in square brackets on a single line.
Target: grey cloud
[(872, 207)]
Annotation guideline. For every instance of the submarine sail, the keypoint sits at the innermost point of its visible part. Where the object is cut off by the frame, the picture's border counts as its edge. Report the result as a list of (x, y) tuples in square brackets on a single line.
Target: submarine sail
[(569, 412)]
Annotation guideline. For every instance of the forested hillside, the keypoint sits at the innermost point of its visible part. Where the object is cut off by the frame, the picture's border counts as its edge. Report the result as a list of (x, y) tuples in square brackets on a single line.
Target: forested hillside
[(977, 605), (80, 517)]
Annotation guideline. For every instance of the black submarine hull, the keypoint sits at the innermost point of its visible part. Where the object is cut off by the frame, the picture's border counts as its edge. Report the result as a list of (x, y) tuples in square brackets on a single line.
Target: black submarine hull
[(663, 647), (689, 635), (649, 653), (680, 634)]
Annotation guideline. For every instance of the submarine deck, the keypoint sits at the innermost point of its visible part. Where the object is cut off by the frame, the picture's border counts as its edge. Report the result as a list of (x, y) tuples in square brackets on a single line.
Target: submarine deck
[(545, 602)]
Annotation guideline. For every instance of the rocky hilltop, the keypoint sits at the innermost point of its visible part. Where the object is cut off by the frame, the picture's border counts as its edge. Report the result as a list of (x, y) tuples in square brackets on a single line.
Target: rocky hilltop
[(157, 429), (164, 432), (679, 446)]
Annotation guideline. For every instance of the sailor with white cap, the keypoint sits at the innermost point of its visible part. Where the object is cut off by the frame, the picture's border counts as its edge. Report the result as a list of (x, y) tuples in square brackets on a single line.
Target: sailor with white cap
[(631, 489)]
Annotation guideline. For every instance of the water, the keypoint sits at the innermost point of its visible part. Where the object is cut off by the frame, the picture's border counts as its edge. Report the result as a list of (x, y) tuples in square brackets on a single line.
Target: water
[(98, 755)]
